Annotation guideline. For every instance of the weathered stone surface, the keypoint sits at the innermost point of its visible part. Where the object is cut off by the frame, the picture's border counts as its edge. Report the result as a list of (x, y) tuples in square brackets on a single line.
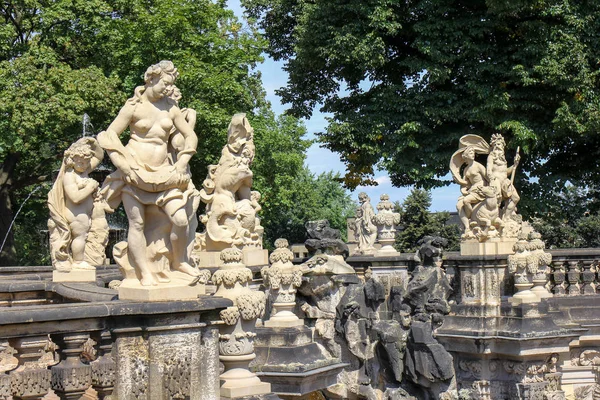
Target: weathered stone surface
[(322, 239)]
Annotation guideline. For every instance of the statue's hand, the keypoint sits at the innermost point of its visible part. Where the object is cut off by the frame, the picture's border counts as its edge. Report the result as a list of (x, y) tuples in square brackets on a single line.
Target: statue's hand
[(517, 159), (183, 178)]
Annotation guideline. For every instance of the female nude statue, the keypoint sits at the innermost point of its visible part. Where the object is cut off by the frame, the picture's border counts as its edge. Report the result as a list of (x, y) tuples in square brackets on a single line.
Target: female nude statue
[(152, 178)]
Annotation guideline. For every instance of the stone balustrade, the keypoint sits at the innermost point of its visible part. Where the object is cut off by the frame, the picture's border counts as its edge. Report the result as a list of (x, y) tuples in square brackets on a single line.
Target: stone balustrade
[(574, 272)]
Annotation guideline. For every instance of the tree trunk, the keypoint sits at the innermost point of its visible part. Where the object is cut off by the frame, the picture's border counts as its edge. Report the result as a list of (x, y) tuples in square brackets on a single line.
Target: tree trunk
[(8, 253)]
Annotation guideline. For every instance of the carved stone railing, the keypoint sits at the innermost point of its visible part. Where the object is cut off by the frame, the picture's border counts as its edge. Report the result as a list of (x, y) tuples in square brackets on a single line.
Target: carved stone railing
[(126, 350), (575, 272)]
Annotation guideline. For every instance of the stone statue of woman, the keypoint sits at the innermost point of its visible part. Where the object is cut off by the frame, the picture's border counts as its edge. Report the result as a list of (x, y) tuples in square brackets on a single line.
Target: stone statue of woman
[(153, 179)]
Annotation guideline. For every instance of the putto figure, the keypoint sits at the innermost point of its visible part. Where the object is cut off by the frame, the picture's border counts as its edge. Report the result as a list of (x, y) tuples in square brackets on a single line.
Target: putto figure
[(153, 180), (487, 207), (77, 226)]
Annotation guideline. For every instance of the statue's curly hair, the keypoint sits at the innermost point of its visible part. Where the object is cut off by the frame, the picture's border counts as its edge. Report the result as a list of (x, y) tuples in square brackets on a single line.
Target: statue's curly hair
[(164, 67), (83, 150), (497, 139)]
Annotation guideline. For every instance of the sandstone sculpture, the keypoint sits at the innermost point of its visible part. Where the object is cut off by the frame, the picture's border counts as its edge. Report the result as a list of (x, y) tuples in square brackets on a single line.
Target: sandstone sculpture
[(386, 221), (77, 224), (231, 205), (365, 230), (428, 366), (487, 207), (282, 278), (153, 182), (230, 218), (326, 248)]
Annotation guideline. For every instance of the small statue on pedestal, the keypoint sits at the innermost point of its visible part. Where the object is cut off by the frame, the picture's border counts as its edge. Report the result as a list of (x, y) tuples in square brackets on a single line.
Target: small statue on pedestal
[(365, 230), (77, 225)]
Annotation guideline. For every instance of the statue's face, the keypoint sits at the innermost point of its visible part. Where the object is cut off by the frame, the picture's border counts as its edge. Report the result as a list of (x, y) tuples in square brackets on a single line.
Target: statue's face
[(162, 86), (81, 164), (469, 154), (405, 319)]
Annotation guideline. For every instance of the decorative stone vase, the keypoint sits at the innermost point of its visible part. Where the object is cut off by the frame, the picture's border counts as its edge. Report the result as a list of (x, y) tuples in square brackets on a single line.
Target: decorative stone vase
[(386, 221), (523, 265), (543, 259), (236, 338), (283, 279)]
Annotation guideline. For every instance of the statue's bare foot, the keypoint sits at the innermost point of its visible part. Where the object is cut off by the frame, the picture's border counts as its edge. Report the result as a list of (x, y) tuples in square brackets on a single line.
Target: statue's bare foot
[(468, 235), (187, 269), (148, 280), (163, 277)]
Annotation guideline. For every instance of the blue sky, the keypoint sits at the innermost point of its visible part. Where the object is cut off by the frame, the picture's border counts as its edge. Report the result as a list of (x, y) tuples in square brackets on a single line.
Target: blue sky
[(321, 160)]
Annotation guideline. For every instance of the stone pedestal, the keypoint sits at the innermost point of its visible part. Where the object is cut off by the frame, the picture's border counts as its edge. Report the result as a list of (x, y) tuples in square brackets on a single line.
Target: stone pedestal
[(491, 247), (251, 257), (78, 275), (179, 288), (174, 360), (292, 363), (237, 381), (524, 295), (387, 247), (283, 316)]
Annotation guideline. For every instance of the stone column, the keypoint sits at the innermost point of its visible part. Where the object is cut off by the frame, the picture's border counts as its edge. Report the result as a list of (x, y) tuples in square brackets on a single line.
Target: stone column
[(31, 379), (283, 279), (71, 378), (236, 339), (573, 274), (104, 367), (386, 221), (558, 275), (588, 276)]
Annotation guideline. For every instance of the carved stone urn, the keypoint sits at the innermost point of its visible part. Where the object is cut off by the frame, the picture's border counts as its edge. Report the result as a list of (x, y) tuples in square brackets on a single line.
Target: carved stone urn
[(523, 265), (543, 259), (283, 279), (386, 221), (236, 338)]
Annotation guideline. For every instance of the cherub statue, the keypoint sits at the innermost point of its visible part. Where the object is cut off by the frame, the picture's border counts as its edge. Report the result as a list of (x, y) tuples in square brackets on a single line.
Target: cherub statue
[(76, 210)]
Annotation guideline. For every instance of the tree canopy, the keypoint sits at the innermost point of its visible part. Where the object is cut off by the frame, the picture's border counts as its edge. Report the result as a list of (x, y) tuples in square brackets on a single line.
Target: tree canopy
[(405, 80), (63, 58), (417, 222)]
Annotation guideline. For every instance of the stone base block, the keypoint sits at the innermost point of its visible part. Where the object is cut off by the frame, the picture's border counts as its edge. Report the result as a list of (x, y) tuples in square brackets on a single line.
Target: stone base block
[(269, 396), (387, 251), (491, 247), (78, 275), (284, 323), (293, 385), (253, 390), (251, 258), (524, 297), (178, 289)]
